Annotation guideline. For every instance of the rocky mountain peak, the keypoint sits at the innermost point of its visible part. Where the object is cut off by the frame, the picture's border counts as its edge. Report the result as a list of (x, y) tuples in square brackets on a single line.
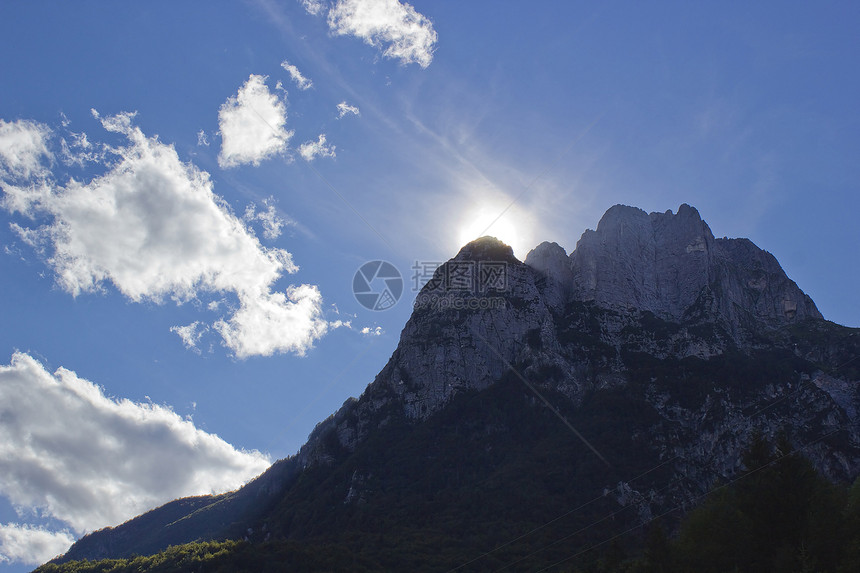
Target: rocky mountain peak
[(670, 264), (484, 304), (486, 248), (618, 215), (551, 260), (659, 262), (664, 346)]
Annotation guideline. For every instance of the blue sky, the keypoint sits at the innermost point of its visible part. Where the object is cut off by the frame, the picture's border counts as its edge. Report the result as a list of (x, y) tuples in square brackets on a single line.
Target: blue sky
[(187, 193)]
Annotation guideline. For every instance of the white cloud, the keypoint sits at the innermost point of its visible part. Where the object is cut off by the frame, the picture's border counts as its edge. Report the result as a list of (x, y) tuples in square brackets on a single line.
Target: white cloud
[(309, 150), (271, 222), (32, 545), (202, 139), (375, 331), (122, 122), (302, 82), (90, 461), (77, 150), (344, 108), (267, 323), (191, 333), (23, 146), (251, 124), (315, 7), (153, 227), (406, 34)]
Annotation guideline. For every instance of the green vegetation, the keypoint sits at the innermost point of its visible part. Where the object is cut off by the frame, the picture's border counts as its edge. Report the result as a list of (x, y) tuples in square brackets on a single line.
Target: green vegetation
[(492, 467), (228, 557), (778, 516)]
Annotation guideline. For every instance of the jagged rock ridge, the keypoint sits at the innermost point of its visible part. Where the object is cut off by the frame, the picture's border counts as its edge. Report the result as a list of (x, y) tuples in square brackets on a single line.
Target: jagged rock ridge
[(669, 264), (651, 324)]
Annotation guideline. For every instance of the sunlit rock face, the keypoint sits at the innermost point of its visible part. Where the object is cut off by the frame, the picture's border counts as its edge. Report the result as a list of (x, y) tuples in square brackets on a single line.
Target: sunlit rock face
[(659, 284), (705, 340), (464, 333), (671, 265)]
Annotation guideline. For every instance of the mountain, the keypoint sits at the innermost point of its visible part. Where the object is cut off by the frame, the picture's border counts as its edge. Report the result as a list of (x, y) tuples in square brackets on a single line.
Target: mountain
[(534, 409)]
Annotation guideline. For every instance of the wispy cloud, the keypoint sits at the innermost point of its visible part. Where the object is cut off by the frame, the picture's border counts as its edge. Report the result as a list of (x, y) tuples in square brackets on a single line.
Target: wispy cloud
[(23, 147), (78, 150), (403, 33), (153, 227), (252, 125), (90, 461), (310, 150), (269, 218), (190, 334), (344, 108), (301, 81), (314, 7)]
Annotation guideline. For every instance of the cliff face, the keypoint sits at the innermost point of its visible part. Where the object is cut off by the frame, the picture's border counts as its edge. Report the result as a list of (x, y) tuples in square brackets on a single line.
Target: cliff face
[(702, 331), (662, 344), (670, 264), (663, 264)]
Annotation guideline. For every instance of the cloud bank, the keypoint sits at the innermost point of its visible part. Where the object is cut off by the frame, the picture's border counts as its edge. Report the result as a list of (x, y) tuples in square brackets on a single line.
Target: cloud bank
[(251, 124), (153, 227), (93, 461), (30, 544)]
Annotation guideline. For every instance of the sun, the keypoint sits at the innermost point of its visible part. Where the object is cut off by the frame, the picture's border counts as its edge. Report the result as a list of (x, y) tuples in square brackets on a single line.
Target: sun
[(487, 220)]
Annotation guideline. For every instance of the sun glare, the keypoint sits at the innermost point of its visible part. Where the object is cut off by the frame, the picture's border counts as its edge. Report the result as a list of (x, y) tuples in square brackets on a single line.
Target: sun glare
[(486, 221)]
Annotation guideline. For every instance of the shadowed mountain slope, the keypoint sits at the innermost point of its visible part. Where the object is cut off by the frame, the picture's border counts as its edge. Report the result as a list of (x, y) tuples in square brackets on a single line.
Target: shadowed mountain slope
[(534, 408)]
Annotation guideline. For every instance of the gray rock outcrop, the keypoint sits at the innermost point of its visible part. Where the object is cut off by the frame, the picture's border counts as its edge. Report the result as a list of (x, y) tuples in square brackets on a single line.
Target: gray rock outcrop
[(671, 265)]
